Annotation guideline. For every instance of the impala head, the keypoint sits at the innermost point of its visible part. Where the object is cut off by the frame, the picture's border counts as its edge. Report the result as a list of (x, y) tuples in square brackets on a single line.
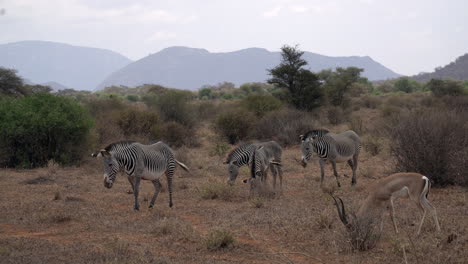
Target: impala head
[(111, 167), (342, 213)]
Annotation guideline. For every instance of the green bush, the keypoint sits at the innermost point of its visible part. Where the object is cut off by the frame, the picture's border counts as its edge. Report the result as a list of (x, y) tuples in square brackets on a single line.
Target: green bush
[(219, 239), (36, 129), (440, 87), (336, 115), (262, 104), (234, 126)]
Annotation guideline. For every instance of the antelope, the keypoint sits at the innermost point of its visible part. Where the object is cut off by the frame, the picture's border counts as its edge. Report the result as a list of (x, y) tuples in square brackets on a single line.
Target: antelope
[(405, 185)]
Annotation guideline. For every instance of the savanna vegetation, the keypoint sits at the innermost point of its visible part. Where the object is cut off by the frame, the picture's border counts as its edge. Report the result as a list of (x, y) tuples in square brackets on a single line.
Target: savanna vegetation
[(404, 126)]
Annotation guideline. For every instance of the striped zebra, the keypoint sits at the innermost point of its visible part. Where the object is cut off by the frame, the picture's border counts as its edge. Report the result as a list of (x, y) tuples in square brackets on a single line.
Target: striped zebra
[(259, 163), (147, 162), (333, 147), (241, 155)]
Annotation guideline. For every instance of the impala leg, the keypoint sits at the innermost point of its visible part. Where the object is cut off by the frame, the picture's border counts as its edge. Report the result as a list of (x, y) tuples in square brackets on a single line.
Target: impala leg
[(157, 188), (427, 206), (392, 215), (335, 173), (322, 171)]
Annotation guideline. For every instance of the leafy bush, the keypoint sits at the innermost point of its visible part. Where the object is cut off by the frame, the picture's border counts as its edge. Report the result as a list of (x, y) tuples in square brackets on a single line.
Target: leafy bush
[(36, 129), (432, 142), (284, 126), (234, 126), (372, 145), (440, 87), (261, 104)]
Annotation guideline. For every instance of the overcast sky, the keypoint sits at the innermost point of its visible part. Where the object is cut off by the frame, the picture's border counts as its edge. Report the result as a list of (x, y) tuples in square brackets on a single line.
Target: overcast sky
[(408, 36)]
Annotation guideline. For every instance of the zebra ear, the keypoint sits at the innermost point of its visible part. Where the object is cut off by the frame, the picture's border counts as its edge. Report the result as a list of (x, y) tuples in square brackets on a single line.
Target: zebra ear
[(104, 153), (301, 137)]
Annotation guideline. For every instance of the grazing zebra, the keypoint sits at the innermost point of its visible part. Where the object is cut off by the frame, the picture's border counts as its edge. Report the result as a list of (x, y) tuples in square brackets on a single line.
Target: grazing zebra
[(333, 147), (259, 163), (241, 155), (147, 162)]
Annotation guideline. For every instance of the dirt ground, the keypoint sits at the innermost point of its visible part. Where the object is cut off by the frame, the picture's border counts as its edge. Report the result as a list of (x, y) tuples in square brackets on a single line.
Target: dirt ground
[(66, 215)]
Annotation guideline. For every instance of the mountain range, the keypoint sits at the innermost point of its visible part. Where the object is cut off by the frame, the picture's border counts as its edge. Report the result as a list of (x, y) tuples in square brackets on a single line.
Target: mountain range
[(70, 66), (190, 68), (176, 67), (457, 70)]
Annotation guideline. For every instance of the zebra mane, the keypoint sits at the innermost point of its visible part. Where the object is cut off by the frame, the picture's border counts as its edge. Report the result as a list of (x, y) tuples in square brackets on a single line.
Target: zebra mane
[(318, 132), (233, 151), (122, 143)]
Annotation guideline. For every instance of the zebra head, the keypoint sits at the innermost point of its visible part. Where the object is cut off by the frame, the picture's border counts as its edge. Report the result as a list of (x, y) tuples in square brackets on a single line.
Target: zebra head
[(306, 149), (111, 167), (233, 171)]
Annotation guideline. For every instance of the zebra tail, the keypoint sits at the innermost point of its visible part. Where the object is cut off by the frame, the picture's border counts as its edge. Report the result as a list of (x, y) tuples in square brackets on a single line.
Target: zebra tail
[(183, 166)]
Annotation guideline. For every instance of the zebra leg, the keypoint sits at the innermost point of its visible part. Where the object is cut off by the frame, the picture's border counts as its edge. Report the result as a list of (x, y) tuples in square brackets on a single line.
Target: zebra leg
[(280, 174), (273, 169), (157, 188), (335, 173), (322, 171), (354, 168), (136, 191), (169, 175), (130, 180)]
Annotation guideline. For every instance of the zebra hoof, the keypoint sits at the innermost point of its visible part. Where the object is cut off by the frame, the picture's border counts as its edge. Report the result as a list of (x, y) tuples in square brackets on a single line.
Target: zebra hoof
[(171, 204), (136, 208), (129, 192), (150, 206)]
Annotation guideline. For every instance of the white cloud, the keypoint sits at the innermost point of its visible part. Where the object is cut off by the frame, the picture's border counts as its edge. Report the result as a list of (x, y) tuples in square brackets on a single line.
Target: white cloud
[(299, 9), (272, 12)]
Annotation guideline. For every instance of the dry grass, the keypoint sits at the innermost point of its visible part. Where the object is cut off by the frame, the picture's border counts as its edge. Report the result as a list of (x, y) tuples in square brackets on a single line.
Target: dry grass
[(92, 224)]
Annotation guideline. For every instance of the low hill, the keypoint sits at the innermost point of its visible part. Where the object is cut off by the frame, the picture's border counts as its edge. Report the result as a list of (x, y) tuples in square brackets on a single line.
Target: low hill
[(457, 70), (72, 66), (190, 68)]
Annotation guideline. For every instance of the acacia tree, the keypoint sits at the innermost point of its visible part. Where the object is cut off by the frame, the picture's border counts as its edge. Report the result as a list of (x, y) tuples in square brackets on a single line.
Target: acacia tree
[(11, 84), (303, 89), (338, 83)]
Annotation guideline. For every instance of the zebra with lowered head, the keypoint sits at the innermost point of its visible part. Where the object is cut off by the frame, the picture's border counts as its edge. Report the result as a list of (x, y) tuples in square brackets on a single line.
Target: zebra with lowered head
[(241, 156), (259, 163), (333, 147), (147, 162)]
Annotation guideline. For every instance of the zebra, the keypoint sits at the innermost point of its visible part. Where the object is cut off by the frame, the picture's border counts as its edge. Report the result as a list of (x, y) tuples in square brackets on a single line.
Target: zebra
[(333, 147), (259, 163), (241, 155), (147, 162)]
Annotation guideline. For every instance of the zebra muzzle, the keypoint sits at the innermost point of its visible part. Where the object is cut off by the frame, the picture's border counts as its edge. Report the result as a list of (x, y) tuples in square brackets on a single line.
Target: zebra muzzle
[(107, 184)]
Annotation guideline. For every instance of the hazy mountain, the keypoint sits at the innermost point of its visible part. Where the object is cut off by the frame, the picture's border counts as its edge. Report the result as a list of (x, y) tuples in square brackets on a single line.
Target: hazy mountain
[(55, 86), (457, 70), (72, 66), (189, 68)]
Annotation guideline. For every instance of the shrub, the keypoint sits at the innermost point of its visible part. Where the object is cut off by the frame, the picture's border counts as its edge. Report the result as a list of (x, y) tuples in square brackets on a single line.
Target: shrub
[(137, 122), (284, 126), (433, 143), (371, 101), (262, 104), (219, 239), (36, 129), (440, 87), (372, 145), (357, 124), (234, 126), (336, 115), (364, 235), (177, 135)]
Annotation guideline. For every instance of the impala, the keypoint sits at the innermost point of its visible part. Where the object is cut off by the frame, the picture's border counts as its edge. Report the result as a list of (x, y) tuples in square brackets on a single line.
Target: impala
[(405, 185)]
